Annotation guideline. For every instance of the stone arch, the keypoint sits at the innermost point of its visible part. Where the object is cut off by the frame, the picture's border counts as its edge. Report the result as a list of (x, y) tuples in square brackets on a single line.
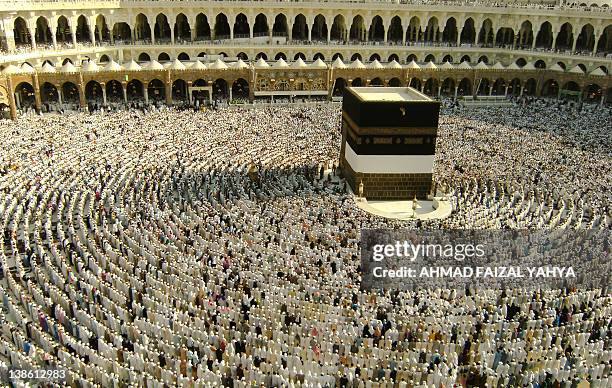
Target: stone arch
[(82, 30), (525, 39), (63, 34), (504, 37), (260, 27), (337, 55), (357, 82), (220, 90), (540, 64), (48, 93), (240, 88), (530, 87), (565, 37), (93, 91), (338, 29), (243, 56), (485, 35), (241, 26), (544, 38), (104, 58), (604, 44), (223, 54), (261, 55), (202, 27), (25, 95), (142, 30), (183, 56), (499, 87), (358, 30), (299, 55), (279, 56), (21, 33), (300, 28), (514, 87), (163, 57), (411, 57), (70, 93), (449, 35), (430, 58), (67, 60), (356, 56), (432, 31), (520, 62), (415, 83), (374, 57), (134, 90), (121, 32), (319, 28), (339, 86), (162, 28), (465, 87), (465, 58), (562, 65), (414, 29), (101, 31), (448, 87), (396, 30), (156, 90), (483, 58), (393, 57), (222, 28), (114, 91), (395, 82), (42, 33), (182, 29), (603, 68), (318, 56), (179, 90), (280, 28), (431, 87), (377, 82), (468, 33), (144, 57), (550, 88), (586, 39), (592, 93), (447, 58), (376, 32)]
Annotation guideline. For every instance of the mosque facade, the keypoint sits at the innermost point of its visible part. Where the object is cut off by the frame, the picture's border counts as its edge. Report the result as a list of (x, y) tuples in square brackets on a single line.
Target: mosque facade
[(76, 52)]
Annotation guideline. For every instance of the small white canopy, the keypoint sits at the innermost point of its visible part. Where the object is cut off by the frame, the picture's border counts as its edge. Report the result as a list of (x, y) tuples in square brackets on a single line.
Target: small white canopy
[(47, 68), (26, 68), (113, 66), (154, 65), (513, 66), (430, 65), (11, 69), (394, 65), (598, 72), (177, 65), (576, 70), (338, 64), (261, 64), (133, 66), (464, 65), (498, 66), (69, 68), (557, 67), (529, 66), (240, 64), (447, 65), (281, 63), (357, 64), (197, 65), (481, 66), (218, 65), (318, 64), (90, 66), (299, 63), (375, 65), (413, 65)]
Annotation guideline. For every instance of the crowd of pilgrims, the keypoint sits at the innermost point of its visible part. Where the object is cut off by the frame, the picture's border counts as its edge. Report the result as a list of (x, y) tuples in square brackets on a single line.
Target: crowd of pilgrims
[(159, 248)]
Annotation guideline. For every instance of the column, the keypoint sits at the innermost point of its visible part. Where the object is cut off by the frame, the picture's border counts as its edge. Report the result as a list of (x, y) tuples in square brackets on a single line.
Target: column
[(73, 32), (386, 33), (124, 88), (603, 98), (456, 90), (289, 32), (439, 90), (309, 34), (145, 92), (329, 35), (458, 38), (33, 37), (490, 90), (574, 46), (230, 93), (533, 43), (422, 86), (11, 97), (103, 85), (554, 42), (172, 34), (193, 32), (522, 89), (169, 92), (59, 95), (476, 41), (598, 35), (506, 91), (17, 100)]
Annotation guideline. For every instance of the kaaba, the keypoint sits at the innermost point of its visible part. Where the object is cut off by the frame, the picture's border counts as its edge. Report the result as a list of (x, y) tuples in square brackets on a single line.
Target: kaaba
[(389, 141)]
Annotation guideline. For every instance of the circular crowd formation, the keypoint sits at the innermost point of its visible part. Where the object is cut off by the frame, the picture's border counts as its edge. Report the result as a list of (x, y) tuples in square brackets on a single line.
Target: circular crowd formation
[(176, 248)]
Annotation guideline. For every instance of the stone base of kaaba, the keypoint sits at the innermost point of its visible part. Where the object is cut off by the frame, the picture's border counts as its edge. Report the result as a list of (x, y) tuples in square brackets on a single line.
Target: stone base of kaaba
[(435, 208), (379, 186)]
